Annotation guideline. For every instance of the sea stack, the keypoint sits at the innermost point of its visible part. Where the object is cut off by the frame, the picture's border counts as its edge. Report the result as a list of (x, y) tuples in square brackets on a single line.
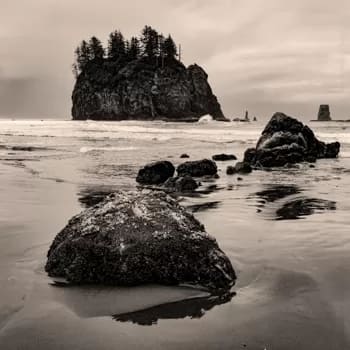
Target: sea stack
[(140, 79), (324, 113)]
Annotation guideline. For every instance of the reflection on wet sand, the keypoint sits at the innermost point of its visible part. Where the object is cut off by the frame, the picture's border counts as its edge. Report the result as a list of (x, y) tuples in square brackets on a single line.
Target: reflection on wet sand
[(99, 301), (300, 207), (273, 192), (290, 206), (193, 308), (90, 196), (194, 208)]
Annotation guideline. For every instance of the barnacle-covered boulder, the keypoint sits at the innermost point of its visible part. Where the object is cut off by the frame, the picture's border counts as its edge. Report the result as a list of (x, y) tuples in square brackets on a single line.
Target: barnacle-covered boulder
[(132, 238)]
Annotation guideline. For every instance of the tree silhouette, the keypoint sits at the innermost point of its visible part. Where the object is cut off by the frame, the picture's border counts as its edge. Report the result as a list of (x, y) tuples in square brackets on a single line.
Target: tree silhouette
[(150, 42), (116, 46), (134, 49), (97, 51), (151, 45), (82, 57), (169, 47)]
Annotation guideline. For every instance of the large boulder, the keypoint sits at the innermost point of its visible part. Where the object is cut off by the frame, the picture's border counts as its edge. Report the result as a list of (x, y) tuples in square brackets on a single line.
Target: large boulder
[(132, 238), (197, 168), (285, 140), (155, 173)]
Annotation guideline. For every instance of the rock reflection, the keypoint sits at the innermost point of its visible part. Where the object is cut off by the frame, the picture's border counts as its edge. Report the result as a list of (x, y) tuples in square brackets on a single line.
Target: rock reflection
[(210, 189), (194, 208), (90, 196), (300, 207), (274, 192), (283, 202), (193, 308)]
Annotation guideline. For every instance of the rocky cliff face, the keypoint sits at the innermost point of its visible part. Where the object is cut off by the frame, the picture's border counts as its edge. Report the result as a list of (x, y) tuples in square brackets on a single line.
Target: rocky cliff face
[(140, 90)]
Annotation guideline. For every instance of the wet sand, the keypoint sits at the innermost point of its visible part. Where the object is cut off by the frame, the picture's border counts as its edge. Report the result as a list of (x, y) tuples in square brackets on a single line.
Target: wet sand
[(293, 273)]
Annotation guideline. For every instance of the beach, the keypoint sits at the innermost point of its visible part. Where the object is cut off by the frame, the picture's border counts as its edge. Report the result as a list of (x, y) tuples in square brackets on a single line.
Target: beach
[(293, 271)]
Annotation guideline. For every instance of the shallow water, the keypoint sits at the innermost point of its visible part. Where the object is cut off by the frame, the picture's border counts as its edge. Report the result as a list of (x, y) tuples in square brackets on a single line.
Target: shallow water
[(293, 270)]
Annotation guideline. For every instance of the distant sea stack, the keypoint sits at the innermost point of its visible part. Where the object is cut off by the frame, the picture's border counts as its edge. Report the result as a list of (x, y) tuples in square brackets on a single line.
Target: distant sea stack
[(324, 113), (141, 78)]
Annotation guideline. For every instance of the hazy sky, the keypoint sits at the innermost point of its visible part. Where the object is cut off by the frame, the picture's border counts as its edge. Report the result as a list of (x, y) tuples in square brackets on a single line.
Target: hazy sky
[(263, 55)]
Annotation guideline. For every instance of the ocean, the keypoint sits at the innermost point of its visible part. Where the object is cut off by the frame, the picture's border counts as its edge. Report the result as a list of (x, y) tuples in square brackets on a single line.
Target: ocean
[(293, 284)]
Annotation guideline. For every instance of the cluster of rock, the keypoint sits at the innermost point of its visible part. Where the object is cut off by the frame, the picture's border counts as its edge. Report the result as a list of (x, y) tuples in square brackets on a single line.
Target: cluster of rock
[(133, 238), (145, 91), (162, 172), (285, 140)]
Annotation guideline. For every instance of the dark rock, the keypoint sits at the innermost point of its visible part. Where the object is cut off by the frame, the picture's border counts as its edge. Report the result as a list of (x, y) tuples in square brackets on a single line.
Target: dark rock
[(240, 168), (133, 238), (181, 184), (324, 113), (143, 90), (155, 173), (286, 140), (23, 148), (243, 168), (197, 168), (230, 170), (239, 178), (184, 155), (224, 157)]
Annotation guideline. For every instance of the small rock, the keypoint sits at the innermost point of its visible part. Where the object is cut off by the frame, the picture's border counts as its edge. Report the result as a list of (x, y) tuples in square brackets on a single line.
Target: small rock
[(240, 168), (239, 179), (155, 173), (230, 170), (181, 184), (23, 148), (184, 155), (243, 168), (197, 168), (224, 157)]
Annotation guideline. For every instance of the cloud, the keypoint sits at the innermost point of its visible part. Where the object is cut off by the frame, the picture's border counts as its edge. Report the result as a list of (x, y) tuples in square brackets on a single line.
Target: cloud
[(259, 55)]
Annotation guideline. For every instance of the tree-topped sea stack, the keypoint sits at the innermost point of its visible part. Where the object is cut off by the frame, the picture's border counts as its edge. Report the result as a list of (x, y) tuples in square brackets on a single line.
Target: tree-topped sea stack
[(141, 78)]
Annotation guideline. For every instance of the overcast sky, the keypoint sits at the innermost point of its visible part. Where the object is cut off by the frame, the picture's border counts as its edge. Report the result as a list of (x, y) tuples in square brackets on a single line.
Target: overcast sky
[(260, 55)]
